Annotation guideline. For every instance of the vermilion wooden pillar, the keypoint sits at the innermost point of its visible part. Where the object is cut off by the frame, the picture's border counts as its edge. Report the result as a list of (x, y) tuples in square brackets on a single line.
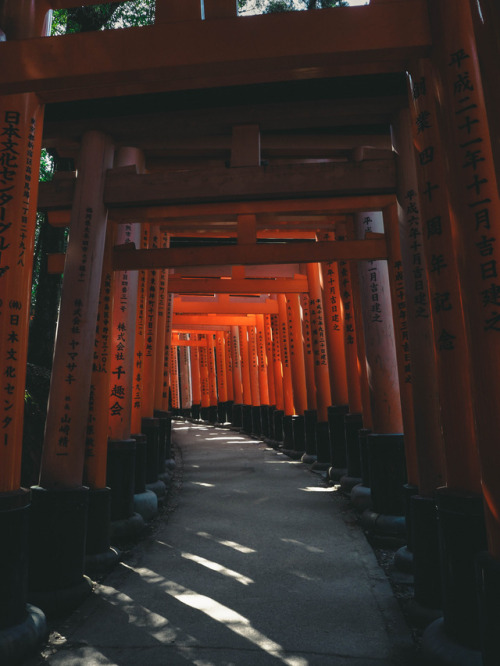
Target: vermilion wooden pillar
[(150, 324), (262, 361), (308, 353), (334, 329), (60, 503), (21, 120), (235, 354), (353, 375), (64, 450), (161, 327), (475, 215), (288, 397), (254, 365), (212, 374), (123, 333), (205, 387), (174, 378), (277, 365), (96, 442), (229, 366), (296, 347), (185, 374), (195, 375), (137, 397), (22, 627), (169, 312), (245, 365), (317, 317), (379, 334), (268, 334), (220, 349)]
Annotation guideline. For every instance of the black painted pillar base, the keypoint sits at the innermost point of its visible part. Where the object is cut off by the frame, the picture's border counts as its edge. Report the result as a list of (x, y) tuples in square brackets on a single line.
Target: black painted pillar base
[(323, 457), (236, 416), (120, 477), (425, 546), (265, 429), (403, 558), (58, 527), (165, 460), (256, 422), (151, 428), (100, 557), (338, 447), (205, 413), (221, 412), (22, 627), (299, 436), (287, 447), (462, 536), (195, 412), (488, 583), (310, 420), (278, 425), (246, 419), (353, 423), (212, 414), (144, 501), (387, 478)]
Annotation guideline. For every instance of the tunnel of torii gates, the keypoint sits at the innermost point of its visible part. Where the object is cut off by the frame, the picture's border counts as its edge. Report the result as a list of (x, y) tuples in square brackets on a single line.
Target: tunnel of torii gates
[(286, 222)]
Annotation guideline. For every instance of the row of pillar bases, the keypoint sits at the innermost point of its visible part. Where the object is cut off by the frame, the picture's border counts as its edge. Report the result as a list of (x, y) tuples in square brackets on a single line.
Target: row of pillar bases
[(456, 582), (57, 537)]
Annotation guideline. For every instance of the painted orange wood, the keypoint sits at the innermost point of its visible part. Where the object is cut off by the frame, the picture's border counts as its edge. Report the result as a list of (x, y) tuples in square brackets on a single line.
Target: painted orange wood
[(65, 431)]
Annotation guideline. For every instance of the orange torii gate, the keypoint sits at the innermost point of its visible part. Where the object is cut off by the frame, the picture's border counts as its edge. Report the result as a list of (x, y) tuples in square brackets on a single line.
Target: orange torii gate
[(373, 42)]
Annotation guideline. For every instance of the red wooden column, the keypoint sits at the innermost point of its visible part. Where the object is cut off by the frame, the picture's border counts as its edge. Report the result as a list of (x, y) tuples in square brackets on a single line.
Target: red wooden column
[(323, 453), (205, 387), (123, 322), (169, 313), (195, 376), (60, 503), (237, 377), (229, 368), (21, 123), (262, 361), (268, 336), (174, 378), (185, 374), (277, 365), (379, 334), (317, 316), (220, 349), (245, 365), (264, 411), (139, 341), (161, 327), (288, 397), (64, 450), (334, 329), (475, 215), (296, 347), (96, 443), (150, 324), (21, 119), (352, 363), (212, 376)]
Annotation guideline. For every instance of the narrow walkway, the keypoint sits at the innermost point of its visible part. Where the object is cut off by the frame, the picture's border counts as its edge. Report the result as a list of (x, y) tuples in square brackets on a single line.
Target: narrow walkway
[(255, 567)]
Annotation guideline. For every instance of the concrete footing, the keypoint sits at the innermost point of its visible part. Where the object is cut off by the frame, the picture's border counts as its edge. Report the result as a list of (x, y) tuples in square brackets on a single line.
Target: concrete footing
[(439, 649), (20, 640), (146, 505)]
